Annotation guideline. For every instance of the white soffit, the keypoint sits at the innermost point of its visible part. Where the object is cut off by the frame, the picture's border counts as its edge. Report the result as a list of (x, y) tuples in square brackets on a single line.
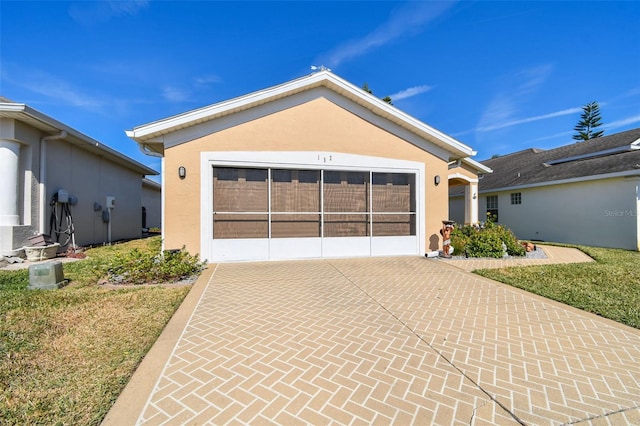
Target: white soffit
[(152, 133)]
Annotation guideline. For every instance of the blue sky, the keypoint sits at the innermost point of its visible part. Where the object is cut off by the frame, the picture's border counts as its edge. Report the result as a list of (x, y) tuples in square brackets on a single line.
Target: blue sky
[(498, 76)]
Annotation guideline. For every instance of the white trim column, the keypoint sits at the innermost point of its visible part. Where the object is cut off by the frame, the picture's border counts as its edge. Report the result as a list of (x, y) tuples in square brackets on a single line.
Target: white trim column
[(471, 203), (10, 178), (638, 214)]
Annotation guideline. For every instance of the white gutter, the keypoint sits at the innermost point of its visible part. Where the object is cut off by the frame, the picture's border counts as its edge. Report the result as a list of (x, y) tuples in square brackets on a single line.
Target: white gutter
[(624, 174), (43, 176), (146, 150)]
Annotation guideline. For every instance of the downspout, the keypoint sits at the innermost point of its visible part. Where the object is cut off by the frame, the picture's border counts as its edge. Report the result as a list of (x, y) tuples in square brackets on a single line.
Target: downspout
[(43, 175), (638, 214)]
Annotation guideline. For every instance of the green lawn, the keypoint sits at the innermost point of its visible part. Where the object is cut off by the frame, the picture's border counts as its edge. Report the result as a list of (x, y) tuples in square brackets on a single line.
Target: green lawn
[(66, 355), (609, 287)]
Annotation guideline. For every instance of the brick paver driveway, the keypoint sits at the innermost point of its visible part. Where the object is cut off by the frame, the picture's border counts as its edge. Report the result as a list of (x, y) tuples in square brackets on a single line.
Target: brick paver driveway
[(403, 340)]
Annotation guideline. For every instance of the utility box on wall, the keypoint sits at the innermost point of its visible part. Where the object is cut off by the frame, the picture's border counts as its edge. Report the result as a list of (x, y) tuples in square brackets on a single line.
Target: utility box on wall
[(46, 276)]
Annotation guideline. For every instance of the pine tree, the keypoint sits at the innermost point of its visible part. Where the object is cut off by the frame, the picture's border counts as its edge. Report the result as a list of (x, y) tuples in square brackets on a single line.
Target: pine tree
[(589, 120), (387, 99)]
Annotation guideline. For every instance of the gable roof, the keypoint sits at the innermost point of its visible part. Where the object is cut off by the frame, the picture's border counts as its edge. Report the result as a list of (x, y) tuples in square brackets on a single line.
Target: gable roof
[(607, 156), (151, 137), (50, 126)]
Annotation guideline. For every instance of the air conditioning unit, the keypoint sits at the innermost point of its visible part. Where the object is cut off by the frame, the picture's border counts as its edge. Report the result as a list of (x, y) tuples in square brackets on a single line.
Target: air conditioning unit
[(46, 276)]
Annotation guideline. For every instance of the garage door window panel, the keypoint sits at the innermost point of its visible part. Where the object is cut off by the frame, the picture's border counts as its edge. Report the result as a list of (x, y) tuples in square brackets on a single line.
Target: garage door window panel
[(393, 204), (345, 195), (240, 203), (295, 203)]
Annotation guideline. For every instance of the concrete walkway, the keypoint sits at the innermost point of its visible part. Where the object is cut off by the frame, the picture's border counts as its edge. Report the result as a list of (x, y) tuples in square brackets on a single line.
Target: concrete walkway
[(403, 340), (555, 255)]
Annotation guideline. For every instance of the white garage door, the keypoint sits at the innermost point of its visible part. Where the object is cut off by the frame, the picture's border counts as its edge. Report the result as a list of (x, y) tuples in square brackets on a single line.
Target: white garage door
[(266, 213)]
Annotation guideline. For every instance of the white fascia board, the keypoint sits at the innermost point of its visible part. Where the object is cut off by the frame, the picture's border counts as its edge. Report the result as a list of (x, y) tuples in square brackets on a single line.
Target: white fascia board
[(476, 165), (628, 173), (323, 78), (12, 107), (412, 123), (24, 112), (189, 118)]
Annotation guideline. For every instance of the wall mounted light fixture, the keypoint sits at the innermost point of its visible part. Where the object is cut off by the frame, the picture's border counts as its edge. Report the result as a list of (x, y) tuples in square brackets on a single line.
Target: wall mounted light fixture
[(182, 172), (436, 180)]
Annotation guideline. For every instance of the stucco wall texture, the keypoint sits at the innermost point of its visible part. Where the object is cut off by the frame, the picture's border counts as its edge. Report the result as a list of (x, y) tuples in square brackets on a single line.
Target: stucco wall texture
[(315, 126)]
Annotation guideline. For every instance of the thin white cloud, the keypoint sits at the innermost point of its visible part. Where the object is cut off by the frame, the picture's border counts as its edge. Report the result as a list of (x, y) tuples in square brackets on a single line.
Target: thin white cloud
[(518, 88), (410, 92), (206, 80), (554, 136), (411, 18), (43, 83), (175, 94), (606, 126), (91, 12), (512, 123), (127, 69), (623, 122)]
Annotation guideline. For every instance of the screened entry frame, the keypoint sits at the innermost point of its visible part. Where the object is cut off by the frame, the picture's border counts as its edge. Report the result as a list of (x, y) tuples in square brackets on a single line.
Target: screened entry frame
[(270, 247)]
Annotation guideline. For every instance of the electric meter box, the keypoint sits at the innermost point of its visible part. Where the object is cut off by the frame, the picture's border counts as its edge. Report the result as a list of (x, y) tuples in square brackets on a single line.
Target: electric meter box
[(111, 202), (46, 276), (63, 196)]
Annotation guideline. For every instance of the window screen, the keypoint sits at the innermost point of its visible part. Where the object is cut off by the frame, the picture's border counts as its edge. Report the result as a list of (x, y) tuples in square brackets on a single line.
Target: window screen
[(240, 203)]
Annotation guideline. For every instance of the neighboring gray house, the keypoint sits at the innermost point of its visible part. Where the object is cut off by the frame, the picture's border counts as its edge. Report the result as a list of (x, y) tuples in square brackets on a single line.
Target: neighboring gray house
[(583, 193), (151, 204), (41, 158)]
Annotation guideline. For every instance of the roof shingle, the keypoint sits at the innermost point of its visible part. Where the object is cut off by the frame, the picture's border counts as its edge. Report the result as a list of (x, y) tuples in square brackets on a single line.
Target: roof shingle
[(604, 155)]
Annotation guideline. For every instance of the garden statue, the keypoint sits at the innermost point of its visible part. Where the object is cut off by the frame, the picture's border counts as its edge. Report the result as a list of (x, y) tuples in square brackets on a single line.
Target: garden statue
[(447, 228)]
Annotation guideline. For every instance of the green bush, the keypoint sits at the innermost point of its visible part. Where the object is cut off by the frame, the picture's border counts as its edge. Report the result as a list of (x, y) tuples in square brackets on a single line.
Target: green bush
[(514, 248), (152, 267), (485, 242)]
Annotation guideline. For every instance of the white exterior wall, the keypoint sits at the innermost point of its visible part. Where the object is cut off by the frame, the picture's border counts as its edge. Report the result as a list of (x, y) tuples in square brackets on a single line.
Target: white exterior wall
[(26, 191), (602, 213)]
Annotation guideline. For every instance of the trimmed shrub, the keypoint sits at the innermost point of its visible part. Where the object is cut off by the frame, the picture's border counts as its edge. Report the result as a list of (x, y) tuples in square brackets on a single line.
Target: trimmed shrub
[(488, 241), (151, 267)]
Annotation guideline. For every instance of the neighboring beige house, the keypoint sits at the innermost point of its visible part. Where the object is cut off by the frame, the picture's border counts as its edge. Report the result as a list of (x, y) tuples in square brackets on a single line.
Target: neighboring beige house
[(315, 167), (41, 158), (582, 193)]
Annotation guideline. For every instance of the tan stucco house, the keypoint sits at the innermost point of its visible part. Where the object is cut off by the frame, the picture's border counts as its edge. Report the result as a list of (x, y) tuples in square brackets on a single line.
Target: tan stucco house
[(48, 167), (315, 167)]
